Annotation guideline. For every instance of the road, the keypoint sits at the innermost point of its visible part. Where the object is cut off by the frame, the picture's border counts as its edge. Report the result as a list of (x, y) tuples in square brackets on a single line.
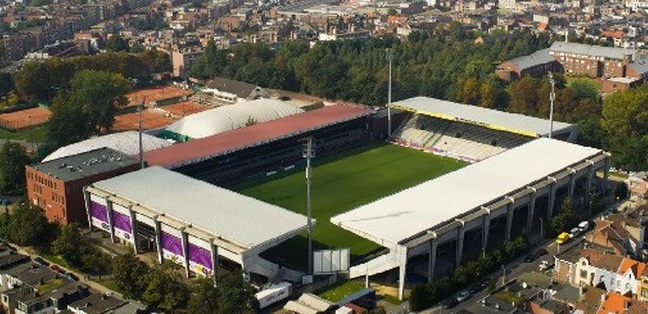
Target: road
[(513, 270)]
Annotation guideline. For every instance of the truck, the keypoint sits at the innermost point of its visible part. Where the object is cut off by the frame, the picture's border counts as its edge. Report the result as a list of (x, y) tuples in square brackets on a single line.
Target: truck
[(562, 238), (273, 294)]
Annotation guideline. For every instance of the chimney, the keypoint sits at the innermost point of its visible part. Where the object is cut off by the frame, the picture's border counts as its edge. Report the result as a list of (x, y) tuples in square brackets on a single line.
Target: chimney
[(580, 293), (603, 297), (626, 304)]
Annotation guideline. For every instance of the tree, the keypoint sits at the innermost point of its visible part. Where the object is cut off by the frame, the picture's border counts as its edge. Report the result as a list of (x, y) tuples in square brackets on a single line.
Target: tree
[(621, 191), (13, 159), (136, 47), (70, 244), (235, 295), (524, 98), (561, 220), (88, 108), (204, 298), (625, 123), (130, 275), (28, 226), (165, 289), (33, 82), (116, 43)]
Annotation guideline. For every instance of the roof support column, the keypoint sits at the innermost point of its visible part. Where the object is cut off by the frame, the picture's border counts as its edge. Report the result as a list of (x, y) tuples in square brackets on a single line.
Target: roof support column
[(86, 200), (402, 268), (214, 253), (572, 184), (185, 250), (606, 172), (552, 197), (109, 210), (509, 219), (532, 201), (158, 239), (485, 229), (461, 230), (432, 258), (133, 221)]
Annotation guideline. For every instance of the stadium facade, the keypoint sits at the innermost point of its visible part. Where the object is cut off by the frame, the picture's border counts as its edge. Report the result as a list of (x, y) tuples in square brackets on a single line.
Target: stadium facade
[(193, 223), (482, 205)]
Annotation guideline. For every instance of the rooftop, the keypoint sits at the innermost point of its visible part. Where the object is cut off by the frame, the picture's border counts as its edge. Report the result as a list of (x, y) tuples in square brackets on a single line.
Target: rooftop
[(124, 142), (591, 50), (432, 203), (489, 118), (97, 303), (258, 134), (86, 164), (224, 213)]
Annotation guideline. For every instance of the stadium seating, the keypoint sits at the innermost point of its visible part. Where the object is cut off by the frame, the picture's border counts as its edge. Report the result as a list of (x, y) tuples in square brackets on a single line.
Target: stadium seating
[(454, 139)]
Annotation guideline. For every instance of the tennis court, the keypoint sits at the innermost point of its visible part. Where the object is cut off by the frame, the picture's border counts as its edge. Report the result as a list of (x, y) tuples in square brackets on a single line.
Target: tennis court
[(24, 118)]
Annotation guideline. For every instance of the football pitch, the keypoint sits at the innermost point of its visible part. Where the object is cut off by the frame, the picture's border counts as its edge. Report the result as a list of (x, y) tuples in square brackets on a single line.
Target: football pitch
[(341, 183)]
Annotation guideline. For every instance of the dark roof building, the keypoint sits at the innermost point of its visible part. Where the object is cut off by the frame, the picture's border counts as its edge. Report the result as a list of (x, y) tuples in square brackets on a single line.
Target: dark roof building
[(56, 186), (234, 91), (96, 304)]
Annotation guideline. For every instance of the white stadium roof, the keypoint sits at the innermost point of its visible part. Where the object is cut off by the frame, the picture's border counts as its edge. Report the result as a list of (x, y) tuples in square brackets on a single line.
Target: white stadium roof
[(125, 142), (499, 120), (237, 218), (230, 117), (422, 207)]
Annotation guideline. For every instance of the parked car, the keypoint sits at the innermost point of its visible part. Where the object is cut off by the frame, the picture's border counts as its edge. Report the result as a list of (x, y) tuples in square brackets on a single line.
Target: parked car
[(41, 261), (574, 232), (533, 256), (56, 268), (584, 225), (463, 296), (562, 238), (544, 265), (450, 303), (71, 276)]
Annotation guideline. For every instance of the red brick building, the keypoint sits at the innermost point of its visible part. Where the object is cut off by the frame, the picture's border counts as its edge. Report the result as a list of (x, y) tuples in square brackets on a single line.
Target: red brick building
[(618, 68), (56, 186)]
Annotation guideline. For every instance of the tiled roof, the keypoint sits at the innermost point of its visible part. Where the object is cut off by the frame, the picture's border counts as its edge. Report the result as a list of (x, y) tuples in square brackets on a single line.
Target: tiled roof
[(608, 262)]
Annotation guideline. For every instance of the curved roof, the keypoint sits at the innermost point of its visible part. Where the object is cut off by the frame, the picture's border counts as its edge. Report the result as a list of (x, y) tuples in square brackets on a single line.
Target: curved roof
[(226, 118), (124, 142)]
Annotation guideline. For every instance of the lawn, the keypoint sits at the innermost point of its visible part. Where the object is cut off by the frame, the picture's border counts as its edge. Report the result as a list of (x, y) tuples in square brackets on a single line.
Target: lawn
[(32, 135), (341, 290), (344, 182)]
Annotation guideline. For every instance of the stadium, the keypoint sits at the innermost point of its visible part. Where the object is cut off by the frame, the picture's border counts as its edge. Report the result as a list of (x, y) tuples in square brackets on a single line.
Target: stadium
[(460, 177)]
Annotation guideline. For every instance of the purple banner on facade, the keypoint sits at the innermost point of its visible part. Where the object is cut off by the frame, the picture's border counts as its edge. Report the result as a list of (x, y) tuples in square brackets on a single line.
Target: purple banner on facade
[(172, 244), (200, 256), (122, 222), (98, 211)]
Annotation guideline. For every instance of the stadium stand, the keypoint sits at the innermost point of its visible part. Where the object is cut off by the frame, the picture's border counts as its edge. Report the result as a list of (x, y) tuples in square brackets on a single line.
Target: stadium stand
[(265, 149), (467, 132), (230, 117)]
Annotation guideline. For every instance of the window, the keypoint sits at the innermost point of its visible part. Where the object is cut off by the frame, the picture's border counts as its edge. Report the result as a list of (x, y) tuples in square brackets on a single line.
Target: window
[(583, 273), (644, 292)]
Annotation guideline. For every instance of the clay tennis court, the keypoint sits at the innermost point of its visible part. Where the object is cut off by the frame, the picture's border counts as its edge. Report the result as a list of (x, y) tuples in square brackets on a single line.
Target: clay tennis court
[(24, 118), (184, 108), (155, 94), (151, 119)]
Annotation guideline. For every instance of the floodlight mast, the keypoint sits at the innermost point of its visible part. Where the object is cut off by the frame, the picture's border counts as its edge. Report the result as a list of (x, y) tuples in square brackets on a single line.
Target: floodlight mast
[(552, 97), (140, 108), (308, 153), (390, 56)]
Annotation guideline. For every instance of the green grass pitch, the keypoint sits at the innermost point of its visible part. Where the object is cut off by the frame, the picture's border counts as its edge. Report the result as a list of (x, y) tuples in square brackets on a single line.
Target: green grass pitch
[(341, 183)]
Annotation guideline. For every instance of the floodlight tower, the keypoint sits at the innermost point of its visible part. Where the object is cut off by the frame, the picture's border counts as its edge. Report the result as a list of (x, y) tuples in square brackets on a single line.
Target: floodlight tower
[(552, 97), (390, 56), (309, 153), (140, 108)]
